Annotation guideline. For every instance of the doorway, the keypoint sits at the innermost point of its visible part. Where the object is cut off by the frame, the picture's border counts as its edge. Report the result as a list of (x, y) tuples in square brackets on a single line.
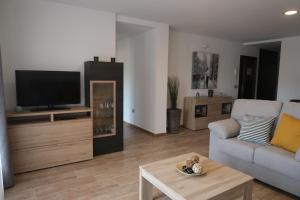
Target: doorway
[(130, 48), (259, 80), (268, 72), (247, 77)]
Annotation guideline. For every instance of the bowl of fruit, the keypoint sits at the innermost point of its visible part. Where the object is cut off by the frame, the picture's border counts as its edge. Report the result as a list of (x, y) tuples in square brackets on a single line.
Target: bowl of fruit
[(191, 167)]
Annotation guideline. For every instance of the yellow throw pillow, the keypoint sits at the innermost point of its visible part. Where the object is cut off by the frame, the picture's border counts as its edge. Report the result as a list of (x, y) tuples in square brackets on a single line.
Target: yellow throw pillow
[(287, 134)]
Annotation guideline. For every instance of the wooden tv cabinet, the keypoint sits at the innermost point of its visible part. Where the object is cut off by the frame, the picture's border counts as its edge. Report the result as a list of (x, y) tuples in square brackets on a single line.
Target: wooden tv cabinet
[(50, 138)]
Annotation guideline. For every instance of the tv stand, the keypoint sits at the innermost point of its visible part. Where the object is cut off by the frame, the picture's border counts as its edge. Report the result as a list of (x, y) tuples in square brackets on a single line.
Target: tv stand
[(42, 139), (49, 108)]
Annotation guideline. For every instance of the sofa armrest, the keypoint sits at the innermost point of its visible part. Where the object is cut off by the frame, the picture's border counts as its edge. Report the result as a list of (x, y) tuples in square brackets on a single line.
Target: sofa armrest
[(297, 155), (225, 128)]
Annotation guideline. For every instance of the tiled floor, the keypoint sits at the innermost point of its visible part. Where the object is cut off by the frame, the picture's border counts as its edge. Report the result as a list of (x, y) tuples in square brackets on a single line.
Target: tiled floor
[(115, 176)]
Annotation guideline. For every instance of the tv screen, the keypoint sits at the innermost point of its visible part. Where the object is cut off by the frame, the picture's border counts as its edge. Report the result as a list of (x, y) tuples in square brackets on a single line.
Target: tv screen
[(47, 88)]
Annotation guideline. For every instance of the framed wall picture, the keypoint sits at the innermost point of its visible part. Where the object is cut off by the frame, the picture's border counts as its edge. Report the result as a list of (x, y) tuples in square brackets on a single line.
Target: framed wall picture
[(204, 70)]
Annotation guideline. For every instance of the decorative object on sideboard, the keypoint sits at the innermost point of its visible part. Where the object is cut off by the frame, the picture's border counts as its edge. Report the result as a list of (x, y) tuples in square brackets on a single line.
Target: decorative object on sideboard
[(113, 60), (173, 113), (204, 70), (210, 93), (96, 59)]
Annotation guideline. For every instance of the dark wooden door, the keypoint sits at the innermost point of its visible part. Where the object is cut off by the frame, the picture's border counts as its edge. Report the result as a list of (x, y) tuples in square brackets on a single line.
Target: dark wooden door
[(268, 75), (247, 77)]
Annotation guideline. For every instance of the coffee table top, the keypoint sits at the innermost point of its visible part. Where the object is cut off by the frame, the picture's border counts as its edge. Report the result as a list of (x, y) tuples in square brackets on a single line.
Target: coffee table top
[(218, 180)]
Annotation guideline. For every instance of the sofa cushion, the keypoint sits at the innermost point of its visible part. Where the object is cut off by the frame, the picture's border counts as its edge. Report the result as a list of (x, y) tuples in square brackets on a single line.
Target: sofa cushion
[(291, 108), (261, 108), (287, 134), (256, 129), (239, 149), (278, 160), (225, 128)]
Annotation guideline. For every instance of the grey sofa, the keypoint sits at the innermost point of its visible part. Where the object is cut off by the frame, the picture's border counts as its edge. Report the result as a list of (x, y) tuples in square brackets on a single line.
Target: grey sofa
[(270, 164)]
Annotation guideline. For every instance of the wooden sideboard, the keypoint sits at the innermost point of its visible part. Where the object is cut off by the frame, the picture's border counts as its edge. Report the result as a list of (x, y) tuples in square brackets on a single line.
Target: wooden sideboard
[(198, 112), (50, 138)]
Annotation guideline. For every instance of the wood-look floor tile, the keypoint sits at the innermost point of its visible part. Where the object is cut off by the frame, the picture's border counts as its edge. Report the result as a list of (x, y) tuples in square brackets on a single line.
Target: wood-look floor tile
[(115, 176)]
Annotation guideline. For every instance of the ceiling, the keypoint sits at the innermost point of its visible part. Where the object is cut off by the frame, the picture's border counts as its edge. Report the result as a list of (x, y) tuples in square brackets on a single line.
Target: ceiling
[(240, 20)]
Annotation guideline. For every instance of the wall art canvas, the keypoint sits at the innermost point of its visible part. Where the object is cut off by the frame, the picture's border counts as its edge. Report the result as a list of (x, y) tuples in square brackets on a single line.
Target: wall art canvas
[(205, 70)]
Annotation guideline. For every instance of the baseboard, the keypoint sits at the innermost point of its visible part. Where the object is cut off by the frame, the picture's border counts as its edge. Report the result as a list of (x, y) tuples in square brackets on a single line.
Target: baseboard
[(144, 130)]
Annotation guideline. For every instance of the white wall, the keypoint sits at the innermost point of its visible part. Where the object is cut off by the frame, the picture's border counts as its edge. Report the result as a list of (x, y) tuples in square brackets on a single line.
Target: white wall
[(289, 70), (125, 54), (44, 35), (180, 61), (145, 58)]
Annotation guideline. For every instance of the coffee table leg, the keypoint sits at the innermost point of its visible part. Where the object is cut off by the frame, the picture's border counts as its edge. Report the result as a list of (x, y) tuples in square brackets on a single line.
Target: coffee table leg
[(145, 188), (248, 191)]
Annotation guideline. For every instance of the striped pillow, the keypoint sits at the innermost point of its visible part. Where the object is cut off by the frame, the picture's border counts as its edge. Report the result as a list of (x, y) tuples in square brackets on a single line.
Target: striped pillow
[(256, 129)]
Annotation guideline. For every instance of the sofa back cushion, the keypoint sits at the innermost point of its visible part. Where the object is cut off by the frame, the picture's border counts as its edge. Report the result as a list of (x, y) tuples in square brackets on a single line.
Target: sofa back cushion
[(256, 129), (291, 108), (287, 133), (261, 108)]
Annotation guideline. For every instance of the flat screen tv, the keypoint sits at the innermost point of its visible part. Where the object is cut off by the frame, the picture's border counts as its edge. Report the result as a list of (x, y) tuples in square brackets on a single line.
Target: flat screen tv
[(47, 88)]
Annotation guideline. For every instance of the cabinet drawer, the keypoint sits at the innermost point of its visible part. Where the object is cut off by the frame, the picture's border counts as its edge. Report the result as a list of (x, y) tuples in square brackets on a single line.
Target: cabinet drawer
[(202, 123), (48, 134), (214, 110), (43, 157)]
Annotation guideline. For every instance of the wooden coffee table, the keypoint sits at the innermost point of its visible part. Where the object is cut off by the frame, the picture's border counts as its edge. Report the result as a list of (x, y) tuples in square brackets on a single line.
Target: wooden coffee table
[(220, 182)]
